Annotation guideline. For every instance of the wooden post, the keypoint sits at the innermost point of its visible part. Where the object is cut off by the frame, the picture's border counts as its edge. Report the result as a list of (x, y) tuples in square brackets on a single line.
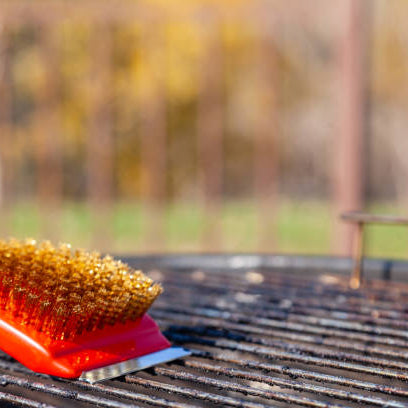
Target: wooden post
[(48, 137), (210, 129), (350, 147), (100, 142), (153, 133), (265, 142)]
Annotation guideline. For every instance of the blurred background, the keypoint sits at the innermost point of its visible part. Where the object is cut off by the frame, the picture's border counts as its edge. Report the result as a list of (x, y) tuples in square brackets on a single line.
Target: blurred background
[(229, 125)]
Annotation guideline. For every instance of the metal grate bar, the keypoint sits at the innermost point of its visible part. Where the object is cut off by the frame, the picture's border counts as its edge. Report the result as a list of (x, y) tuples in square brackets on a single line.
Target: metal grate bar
[(295, 337), (332, 283), (279, 319), (263, 310), (271, 353), (196, 394), (131, 395), (284, 310), (247, 390), (22, 401), (296, 348), (117, 392), (61, 392), (107, 390), (283, 383), (280, 324), (290, 332), (298, 373), (343, 304), (368, 317), (285, 287)]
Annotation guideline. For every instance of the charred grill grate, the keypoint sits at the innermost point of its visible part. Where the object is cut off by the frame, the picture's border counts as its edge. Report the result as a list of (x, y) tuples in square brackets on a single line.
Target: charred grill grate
[(260, 337)]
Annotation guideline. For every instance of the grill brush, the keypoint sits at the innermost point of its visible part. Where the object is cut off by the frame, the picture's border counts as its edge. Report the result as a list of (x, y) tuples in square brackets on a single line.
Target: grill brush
[(74, 314)]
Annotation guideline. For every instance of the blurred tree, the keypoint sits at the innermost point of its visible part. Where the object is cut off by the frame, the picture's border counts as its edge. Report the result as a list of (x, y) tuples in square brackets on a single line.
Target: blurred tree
[(305, 93)]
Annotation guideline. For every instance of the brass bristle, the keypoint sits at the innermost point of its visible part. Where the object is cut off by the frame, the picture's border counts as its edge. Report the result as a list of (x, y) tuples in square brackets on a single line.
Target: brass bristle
[(64, 293)]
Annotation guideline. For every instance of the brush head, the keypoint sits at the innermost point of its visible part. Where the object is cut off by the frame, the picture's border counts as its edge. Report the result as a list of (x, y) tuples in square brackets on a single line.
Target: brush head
[(63, 293)]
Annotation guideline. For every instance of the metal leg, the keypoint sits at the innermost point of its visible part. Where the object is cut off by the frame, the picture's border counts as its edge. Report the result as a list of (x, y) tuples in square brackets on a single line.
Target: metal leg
[(358, 254)]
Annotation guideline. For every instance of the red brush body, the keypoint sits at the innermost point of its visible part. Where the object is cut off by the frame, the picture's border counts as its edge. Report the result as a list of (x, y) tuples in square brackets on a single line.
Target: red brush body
[(75, 314), (70, 358)]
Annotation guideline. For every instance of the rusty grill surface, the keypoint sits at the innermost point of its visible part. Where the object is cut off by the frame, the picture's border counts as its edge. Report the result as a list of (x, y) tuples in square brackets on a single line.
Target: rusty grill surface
[(261, 337)]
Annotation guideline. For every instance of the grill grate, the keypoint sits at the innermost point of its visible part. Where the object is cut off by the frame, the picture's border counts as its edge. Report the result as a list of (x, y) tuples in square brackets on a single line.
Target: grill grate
[(260, 338)]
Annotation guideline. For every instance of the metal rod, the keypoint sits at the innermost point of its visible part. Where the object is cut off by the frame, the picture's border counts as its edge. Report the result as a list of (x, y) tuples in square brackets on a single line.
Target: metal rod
[(247, 390), (285, 321), (289, 334), (61, 392), (323, 352), (131, 395), (358, 253), (22, 401), (273, 353), (384, 301), (283, 383), (299, 373), (220, 400), (100, 388)]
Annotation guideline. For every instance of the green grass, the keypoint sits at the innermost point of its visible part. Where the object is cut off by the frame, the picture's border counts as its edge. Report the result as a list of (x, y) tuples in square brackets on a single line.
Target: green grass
[(300, 227), (304, 228)]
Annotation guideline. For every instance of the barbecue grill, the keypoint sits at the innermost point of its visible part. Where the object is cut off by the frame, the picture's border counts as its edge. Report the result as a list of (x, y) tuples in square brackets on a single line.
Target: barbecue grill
[(264, 331)]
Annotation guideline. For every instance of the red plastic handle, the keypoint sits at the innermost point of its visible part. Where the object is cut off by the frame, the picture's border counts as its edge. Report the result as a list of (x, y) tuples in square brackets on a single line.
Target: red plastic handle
[(70, 358)]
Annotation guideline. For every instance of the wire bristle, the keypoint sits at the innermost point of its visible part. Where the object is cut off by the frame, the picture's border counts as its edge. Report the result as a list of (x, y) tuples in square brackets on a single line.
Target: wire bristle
[(64, 293)]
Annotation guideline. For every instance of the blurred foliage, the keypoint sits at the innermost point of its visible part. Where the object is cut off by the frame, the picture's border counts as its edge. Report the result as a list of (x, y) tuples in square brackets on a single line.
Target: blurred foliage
[(142, 58), (170, 53)]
